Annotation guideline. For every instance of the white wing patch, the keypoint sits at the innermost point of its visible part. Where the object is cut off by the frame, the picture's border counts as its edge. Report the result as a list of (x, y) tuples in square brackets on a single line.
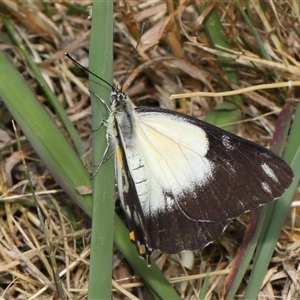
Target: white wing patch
[(227, 143), (269, 172), (172, 160), (266, 187)]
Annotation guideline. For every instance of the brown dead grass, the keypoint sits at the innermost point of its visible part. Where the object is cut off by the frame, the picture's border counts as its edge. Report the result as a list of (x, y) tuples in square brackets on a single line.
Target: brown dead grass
[(174, 56)]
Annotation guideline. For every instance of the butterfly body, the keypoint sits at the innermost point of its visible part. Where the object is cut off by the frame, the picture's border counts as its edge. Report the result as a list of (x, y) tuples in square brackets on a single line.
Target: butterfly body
[(182, 180)]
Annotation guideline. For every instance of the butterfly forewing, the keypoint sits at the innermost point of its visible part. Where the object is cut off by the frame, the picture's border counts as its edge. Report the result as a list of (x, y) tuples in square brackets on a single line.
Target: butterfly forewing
[(181, 180)]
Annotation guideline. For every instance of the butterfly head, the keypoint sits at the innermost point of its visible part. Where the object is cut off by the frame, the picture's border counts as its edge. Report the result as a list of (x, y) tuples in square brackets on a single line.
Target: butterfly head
[(118, 99)]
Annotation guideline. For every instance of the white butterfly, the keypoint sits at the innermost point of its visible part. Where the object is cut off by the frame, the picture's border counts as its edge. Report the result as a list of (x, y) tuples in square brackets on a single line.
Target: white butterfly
[(181, 180)]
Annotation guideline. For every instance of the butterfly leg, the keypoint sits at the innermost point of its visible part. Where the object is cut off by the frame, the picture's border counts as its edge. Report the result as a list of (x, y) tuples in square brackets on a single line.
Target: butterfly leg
[(102, 101), (102, 122), (105, 157)]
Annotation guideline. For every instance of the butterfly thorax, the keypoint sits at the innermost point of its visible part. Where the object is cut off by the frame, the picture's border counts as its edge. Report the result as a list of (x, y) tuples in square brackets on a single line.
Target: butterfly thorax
[(122, 118)]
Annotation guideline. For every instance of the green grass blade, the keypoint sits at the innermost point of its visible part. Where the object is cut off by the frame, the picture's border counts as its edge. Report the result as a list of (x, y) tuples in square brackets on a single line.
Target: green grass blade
[(101, 58), (43, 134), (267, 244), (260, 219), (35, 70), (258, 42)]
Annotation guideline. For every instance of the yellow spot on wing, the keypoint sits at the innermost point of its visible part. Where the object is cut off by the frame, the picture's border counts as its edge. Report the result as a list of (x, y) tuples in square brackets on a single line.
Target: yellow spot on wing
[(132, 236), (119, 154), (142, 249)]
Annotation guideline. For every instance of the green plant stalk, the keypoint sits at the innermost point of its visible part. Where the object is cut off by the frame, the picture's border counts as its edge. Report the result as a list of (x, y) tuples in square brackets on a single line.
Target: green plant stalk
[(101, 59)]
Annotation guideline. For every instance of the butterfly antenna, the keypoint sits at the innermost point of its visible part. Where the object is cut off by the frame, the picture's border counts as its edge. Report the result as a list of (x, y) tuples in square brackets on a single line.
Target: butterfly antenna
[(133, 54), (89, 71)]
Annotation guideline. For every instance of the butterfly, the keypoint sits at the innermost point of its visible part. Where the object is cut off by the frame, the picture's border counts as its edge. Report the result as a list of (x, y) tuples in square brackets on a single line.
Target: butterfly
[(181, 180)]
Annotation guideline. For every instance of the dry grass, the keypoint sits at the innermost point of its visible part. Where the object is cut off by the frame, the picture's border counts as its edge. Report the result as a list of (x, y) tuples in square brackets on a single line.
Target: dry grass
[(174, 56)]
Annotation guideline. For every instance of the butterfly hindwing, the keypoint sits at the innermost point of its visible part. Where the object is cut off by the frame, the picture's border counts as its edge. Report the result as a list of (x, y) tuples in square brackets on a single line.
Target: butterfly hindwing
[(131, 204)]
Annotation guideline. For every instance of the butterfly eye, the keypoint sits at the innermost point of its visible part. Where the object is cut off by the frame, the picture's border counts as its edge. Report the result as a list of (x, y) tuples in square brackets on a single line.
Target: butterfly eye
[(114, 97)]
